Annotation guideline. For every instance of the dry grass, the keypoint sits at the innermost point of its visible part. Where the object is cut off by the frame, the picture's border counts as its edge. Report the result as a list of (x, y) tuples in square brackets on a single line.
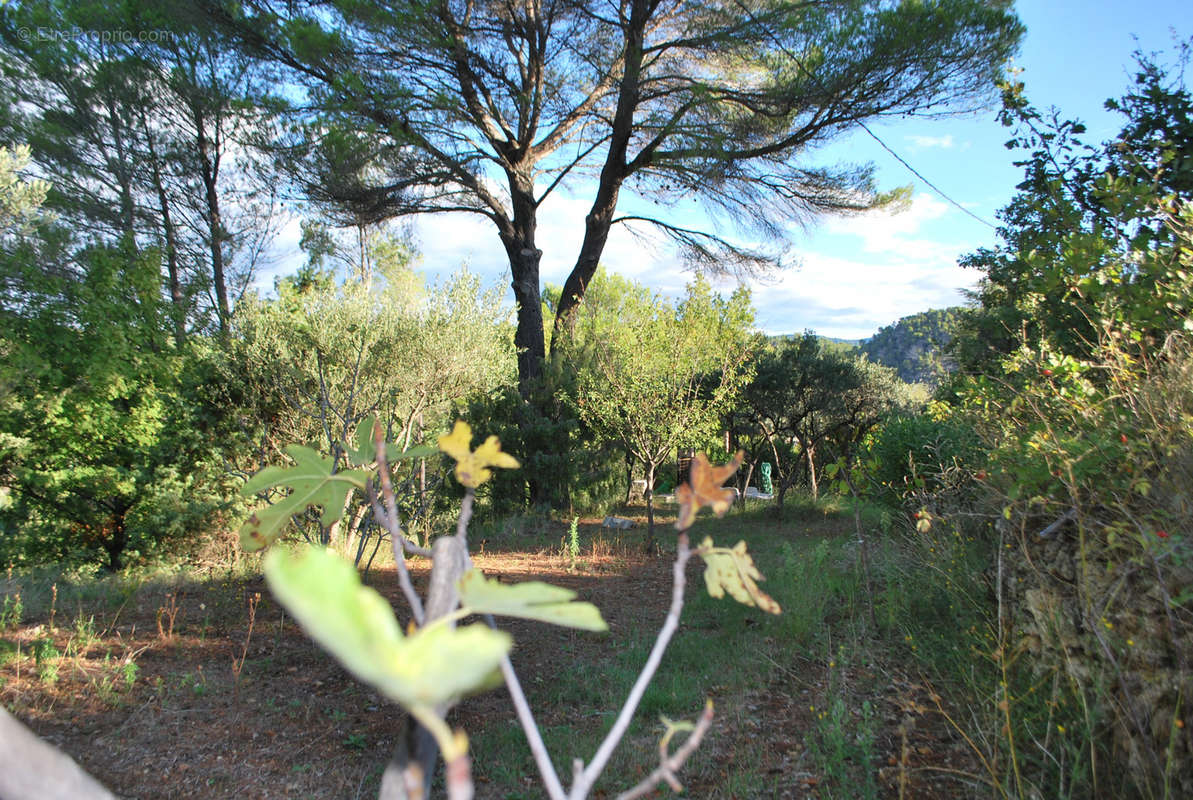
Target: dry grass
[(295, 725)]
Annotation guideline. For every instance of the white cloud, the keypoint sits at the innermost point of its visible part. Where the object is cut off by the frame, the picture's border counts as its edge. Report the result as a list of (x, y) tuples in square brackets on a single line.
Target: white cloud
[(853, 298), (283, 256), (860, 273), (857, 273), (924, 142)]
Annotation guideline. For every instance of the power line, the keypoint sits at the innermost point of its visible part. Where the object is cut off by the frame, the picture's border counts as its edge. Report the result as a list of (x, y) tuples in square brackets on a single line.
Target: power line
[(779, 43), (920, 175)]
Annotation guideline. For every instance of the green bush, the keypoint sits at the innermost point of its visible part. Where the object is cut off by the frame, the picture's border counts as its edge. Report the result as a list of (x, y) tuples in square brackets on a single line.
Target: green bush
[(909, 455)]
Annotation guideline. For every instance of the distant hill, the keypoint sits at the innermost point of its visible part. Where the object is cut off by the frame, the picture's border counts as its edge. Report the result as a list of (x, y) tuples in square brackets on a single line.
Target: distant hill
[(833, 340), (914, 346)]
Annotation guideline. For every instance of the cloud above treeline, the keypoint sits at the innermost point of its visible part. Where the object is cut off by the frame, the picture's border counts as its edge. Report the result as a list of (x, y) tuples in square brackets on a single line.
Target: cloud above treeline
[(854, 274)]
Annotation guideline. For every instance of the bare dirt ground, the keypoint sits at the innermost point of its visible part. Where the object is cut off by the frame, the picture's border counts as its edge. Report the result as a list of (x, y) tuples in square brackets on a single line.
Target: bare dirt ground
[(183, 723)]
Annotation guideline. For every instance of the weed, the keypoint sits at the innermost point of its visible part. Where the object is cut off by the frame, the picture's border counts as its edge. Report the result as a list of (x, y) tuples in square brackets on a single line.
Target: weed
[(238, 663), (196, 683), (355, 741), (843, 748), (82, 636), (166, 614), (11, 611), (53, 605), (45, 659), (129, 671), (569, 544), (9, 651)]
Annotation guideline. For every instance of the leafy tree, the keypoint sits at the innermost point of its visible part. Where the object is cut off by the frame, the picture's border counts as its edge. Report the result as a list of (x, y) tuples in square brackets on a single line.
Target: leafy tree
[(100, 448), (1086, 244), (488, 108), (805, 396), (653, 376), (311, 364), (144, 142)]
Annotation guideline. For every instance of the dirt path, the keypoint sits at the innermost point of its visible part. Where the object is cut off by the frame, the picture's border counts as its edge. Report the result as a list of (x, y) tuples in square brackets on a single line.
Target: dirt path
[(181, 725)]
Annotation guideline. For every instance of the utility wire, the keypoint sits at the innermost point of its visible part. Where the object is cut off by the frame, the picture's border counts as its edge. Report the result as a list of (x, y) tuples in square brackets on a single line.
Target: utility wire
[(920, 175), (786, 51)]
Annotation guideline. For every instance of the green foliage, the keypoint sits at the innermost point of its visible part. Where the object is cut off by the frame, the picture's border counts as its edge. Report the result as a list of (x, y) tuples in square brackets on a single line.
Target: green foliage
[(805, 398), (910, 455), (312, 481), (21, 199), (652, 376), (843, 746), (99, 438), (323, 356), (531, 600), (435, 664), (564, 467), (916, 347), (11, 611), (314, 364), (45, 659), (1087, 245), (573, 541), (1079, 388)]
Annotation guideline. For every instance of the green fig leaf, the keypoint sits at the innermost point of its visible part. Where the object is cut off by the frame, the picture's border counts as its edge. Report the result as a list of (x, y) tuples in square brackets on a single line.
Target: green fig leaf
[(532, 600), (418, 451), (363, 451), (355, 624), (311, 483), (733, 571)]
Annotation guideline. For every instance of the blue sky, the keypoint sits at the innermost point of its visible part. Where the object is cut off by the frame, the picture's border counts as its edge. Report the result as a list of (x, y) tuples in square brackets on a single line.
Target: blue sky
[(857, 274)]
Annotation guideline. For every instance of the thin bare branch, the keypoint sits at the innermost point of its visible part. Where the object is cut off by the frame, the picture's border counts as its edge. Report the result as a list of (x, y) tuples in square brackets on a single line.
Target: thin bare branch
[(584, 782), (388, 517), (671, 764)]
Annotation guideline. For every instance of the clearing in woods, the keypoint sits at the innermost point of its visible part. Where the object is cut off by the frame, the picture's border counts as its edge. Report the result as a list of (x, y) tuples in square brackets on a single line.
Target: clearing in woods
[(158, 689)]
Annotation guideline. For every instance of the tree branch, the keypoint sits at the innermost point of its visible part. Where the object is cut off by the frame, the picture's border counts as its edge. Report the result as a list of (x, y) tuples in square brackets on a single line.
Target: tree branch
[(587, 777)]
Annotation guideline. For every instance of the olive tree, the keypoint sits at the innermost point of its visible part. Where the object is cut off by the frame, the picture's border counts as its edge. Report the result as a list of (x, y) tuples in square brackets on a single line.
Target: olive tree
[(653, 375)]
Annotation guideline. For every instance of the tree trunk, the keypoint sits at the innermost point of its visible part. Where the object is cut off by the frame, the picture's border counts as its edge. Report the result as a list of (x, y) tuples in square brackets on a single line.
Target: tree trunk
[(117, 538), (629, 477), (651, 547), (123, 172), (209, 164), (177, 300), (613, 173), (524, 257), (810, 457), (741, 499), (528, 336)]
